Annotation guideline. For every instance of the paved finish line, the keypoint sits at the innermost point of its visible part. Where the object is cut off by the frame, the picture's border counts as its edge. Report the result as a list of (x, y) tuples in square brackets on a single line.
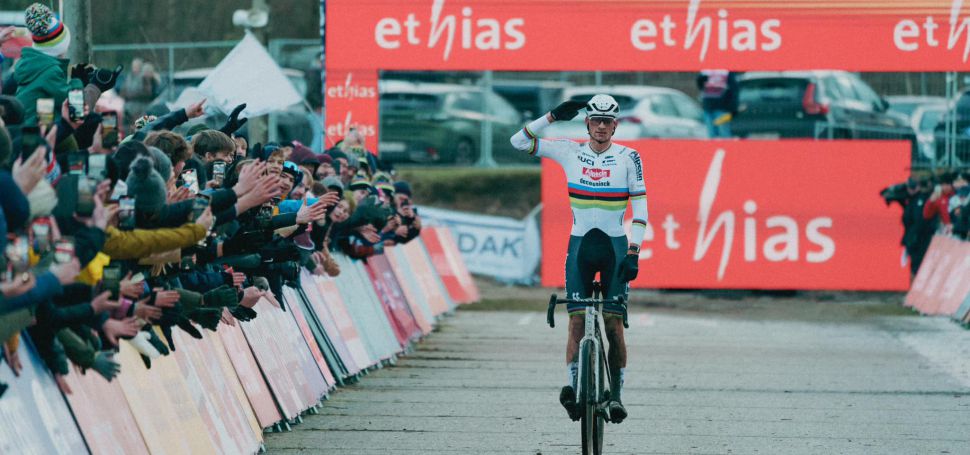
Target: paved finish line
[(488, 382)]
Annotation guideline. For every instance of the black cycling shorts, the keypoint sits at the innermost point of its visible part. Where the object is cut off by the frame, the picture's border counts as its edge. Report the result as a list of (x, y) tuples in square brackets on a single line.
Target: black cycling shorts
[(589, 254)]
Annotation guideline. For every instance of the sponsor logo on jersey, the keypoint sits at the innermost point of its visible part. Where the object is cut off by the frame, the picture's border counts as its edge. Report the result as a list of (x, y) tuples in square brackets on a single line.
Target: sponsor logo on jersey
[(636, 163), (586, 159), (592, 183), (596, 174)]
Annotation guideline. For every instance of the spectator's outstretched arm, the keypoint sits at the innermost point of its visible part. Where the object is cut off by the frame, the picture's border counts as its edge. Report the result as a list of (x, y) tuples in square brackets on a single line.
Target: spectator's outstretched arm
[(166, 122), (13, 202), (143, 242)]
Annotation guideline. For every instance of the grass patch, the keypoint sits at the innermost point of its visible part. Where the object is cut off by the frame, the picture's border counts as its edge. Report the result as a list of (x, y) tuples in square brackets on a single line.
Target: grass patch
[(512, 192)]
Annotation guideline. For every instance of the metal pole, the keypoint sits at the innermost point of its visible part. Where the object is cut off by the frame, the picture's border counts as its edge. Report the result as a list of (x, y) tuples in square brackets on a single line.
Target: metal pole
[(598, 78), (171, 73), (76, 15), (485, 159)]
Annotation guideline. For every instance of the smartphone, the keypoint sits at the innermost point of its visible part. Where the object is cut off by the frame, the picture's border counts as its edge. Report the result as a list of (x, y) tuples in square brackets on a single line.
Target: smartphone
[(63, 251), (17, 256), (29, 140), (75, 163), (45, 111), (40, 235), (120, 190), (111, 281), (126, 213), (97, 166), (85, 196), (218, 171), (190, 180), (199, 205), (109, 129), (75, 104)]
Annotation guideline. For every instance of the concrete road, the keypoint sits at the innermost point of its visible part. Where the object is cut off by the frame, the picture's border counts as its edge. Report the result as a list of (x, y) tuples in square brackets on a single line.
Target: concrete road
[(487, 383)]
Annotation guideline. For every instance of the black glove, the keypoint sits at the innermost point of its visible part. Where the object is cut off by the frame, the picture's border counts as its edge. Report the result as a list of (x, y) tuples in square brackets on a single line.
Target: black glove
[(157, 342), (83, 72), (105, 79), (567, 110), (243, 314), (234, 123), (629, 267)]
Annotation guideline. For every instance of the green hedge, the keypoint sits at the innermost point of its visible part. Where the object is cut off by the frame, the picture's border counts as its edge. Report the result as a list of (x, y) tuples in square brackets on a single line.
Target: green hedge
[(501, 191)]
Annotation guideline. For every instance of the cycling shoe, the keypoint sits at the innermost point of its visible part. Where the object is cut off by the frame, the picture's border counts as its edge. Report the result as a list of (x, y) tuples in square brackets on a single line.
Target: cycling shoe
[(617, 412), (567, 398)]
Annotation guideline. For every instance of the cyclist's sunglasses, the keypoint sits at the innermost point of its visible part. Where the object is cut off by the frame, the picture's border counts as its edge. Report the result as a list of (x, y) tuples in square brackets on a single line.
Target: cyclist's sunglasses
[(603, 120)]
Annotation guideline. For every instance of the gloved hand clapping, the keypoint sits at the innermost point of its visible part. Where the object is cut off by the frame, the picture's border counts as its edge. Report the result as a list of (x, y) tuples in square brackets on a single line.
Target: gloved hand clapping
[(105, 365), (234, 122)]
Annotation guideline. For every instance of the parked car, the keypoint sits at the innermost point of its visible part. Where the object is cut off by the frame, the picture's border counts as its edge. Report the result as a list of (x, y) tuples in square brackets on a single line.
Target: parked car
[(530, 97), (658, 112), (960, 114), (793, 103), (431, 123), (924, 120), (906, 105)]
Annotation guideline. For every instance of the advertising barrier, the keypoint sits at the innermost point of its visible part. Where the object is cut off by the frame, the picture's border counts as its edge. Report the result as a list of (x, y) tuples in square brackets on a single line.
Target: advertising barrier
[(942, 285), (754, 215), (33, 415), (449, 265), (500, 247), (364, 36), (217, 394)]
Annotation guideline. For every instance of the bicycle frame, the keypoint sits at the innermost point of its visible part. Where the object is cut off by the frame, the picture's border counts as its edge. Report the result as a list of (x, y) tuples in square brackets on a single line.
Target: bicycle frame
[(592, 342)]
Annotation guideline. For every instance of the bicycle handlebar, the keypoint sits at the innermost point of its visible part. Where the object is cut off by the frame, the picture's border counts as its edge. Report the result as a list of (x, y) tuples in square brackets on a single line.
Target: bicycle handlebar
[(553, 301)]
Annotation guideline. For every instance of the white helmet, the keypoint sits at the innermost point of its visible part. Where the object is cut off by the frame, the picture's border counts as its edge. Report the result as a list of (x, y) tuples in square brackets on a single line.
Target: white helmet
[(602, 106)]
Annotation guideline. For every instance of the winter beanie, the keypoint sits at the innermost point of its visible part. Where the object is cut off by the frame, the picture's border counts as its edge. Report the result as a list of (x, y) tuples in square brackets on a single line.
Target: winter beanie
[(359, 182), (163, 164), (50, 35), (146, 186), (402, 187)]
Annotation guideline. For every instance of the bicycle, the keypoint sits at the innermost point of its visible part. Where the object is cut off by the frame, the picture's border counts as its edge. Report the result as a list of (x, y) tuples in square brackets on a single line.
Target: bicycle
[(593, 380)]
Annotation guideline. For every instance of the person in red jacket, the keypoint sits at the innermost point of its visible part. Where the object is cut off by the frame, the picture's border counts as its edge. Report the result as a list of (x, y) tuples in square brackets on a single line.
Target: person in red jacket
[(939, 203)]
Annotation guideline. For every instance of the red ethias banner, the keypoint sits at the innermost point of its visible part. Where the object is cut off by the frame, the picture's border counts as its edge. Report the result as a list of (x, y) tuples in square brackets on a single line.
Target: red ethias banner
[(352, 95), (755, 215), (642, 35)]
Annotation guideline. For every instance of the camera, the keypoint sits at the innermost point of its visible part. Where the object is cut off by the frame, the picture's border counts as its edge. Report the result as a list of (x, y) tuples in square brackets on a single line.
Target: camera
[(109, 129), (45, 111), (64, 251), (190, 180), (17, 257), (97, 165), (111, 281), (199, 205), (40, 235)]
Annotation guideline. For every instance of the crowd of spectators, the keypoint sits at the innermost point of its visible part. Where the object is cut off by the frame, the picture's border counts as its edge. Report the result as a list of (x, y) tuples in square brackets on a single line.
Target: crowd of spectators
[(107, 236), (934, 204)]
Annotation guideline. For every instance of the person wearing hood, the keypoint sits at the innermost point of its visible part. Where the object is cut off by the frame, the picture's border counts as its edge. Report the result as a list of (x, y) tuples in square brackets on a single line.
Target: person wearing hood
[(42, 71)]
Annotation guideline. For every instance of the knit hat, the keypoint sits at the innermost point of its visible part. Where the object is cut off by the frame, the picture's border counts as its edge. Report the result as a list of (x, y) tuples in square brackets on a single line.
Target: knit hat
[(333, 182), (195, 129), (291, 168), (146, 186), (125, 155), (50, 35), (383, 182), (360, 182), (402, 187), (163, 164), (303, 155), (325, 159)]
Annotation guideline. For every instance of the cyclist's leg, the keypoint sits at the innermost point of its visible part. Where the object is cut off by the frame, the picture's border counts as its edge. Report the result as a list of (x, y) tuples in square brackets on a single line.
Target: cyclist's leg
[(613, 322), (578, 286)]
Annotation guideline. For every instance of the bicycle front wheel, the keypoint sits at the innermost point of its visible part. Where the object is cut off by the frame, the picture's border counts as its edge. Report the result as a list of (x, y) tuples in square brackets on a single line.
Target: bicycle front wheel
[(592, 422)]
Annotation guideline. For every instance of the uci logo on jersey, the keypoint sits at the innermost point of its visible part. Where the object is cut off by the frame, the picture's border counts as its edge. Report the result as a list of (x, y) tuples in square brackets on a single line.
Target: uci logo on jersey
[(596, 174), (585, 159)]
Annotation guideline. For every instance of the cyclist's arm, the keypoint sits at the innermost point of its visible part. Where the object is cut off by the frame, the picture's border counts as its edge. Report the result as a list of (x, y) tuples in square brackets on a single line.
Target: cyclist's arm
[(527, 140), (638, 197)]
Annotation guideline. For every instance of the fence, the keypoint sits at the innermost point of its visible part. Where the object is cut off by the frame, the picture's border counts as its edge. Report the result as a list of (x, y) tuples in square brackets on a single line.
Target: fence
[(942, 285), (215, 395)]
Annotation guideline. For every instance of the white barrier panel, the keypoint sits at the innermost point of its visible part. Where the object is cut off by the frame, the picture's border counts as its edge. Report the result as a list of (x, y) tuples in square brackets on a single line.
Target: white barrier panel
[(503, 248), (325, 318), (293, 298), (334, 302), (413, 292)]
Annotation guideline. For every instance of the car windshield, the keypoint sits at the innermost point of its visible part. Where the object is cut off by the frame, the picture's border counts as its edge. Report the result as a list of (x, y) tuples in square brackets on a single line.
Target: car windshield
[(772, 90), (626, 102), (409, 102), (904, 108), (930, 119)]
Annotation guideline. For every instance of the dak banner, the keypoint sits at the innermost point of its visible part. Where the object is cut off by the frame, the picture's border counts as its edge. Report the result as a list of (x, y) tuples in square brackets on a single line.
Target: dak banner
[(755, 215)]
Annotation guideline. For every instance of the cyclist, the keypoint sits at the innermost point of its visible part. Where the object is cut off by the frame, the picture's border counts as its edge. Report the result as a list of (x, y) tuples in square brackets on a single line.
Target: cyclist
[(603, 177)]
